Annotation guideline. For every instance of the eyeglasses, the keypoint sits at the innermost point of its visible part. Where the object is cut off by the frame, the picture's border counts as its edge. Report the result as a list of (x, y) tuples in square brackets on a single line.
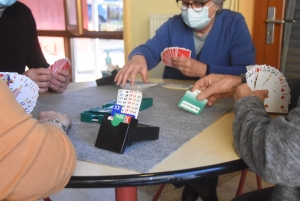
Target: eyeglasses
[(196, 5)]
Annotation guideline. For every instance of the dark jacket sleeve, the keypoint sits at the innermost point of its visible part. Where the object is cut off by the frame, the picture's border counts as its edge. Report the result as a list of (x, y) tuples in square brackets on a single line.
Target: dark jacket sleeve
[(270, 147), (35, 57)]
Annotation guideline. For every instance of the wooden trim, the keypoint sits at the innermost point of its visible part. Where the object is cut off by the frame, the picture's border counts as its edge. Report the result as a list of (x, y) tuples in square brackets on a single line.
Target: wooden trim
[(86, 34), (68, 52)]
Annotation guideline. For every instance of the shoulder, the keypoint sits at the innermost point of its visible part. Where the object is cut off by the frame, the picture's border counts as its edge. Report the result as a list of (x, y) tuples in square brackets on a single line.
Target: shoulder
[(229, 15), (20, 9)]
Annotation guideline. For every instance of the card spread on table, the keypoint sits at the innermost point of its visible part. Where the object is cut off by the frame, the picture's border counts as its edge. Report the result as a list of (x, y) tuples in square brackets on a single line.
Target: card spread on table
[(28, 91), (266, 77), (178, 86), (170, 52), (190, 103), (60, 64)]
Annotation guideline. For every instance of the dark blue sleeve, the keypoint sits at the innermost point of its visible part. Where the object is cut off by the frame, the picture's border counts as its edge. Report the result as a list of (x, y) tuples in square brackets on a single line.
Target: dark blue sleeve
[(152, 49), (237, 43)]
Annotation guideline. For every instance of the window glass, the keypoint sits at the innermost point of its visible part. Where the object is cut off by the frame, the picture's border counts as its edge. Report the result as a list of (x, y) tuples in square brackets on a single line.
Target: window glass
[(105, 15), (91, 56), (49, 15), (53, 48)]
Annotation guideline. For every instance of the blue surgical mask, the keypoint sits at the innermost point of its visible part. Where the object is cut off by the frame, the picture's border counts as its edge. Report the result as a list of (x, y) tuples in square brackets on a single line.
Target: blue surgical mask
[(196, 20), (5, 3)]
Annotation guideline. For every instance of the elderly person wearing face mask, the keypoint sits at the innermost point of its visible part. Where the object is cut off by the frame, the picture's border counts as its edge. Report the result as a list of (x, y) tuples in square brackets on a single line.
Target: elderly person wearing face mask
[(218, 38)]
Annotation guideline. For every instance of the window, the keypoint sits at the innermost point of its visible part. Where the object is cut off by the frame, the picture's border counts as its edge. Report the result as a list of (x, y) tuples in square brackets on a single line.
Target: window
[(88, 32)]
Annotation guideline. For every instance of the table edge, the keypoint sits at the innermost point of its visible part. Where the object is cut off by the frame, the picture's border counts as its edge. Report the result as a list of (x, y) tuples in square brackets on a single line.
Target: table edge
[(155, 178)]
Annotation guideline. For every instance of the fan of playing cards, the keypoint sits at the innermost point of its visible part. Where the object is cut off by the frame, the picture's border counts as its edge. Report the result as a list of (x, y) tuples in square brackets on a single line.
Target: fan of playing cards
[(267, 77), (27, 90), (170, 52), (60, 64)]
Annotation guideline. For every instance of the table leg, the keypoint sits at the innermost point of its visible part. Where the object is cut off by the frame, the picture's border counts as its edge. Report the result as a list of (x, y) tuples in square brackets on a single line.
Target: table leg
[(126, 193)]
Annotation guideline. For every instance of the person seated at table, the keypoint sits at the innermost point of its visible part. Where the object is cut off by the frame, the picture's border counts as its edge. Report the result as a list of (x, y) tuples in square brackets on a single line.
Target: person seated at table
[(20, 48), (270, 147), (219, 41), (37, 158)]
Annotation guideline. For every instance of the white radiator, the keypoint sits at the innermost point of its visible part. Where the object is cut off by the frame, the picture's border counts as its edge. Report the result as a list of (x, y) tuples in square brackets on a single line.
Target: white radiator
[(156, 20)]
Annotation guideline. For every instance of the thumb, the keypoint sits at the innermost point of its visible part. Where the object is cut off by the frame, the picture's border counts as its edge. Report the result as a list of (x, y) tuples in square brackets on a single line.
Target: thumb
[(205, 94)]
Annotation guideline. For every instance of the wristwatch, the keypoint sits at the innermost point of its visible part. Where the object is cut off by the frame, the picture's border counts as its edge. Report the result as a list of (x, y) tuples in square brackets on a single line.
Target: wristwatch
[(243, 77), (61, 125)]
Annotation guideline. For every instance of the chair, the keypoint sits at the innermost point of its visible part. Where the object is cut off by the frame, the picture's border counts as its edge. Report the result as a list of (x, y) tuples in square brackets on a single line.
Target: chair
[(242, 182)]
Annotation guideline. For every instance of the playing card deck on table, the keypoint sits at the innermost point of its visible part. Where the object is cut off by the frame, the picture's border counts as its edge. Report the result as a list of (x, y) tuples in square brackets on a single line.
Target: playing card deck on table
[(170, 52), (190, 103), (28, 91), (60, 64), (267, 77)]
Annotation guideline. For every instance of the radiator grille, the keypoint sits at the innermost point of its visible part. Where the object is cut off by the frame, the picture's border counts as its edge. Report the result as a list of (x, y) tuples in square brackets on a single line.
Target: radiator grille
[(156, 20)]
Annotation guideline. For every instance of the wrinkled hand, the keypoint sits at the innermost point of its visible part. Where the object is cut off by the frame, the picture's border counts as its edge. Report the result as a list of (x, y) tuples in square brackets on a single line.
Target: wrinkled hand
[(216, 86), (244, 90), (48, 115), (189, 67), (41, 76), (137, 64), (60, 80)]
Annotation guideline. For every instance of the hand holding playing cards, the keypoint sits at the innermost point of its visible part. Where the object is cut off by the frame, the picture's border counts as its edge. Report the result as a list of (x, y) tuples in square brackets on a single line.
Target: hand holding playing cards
[(244, 90), (189, 67), (46, 116), (41, 77), (60, 80), (216, 86), (137, 64)]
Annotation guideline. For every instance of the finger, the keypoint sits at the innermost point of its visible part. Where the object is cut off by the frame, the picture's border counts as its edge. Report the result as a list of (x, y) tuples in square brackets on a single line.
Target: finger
[(125, 75), (206, 93), (145, 76), (56, 88), (43, 90)]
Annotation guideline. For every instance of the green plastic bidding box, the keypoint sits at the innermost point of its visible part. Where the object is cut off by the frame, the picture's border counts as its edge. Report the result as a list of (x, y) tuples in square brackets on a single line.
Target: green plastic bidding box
[(190, 103), (96, 114)]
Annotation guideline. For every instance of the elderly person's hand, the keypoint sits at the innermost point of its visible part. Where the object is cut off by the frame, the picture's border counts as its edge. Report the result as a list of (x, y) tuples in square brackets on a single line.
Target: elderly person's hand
[(41, 76), (244, 90), (137, 64), (46, 117), (189, 67), (60, 80), (216, 86)]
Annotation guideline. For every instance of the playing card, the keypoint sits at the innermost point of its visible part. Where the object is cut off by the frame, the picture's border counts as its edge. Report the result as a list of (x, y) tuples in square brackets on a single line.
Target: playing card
[(26, 88), (130, 101), (267, 77), (170, 52), (8, 78), (64, 64)]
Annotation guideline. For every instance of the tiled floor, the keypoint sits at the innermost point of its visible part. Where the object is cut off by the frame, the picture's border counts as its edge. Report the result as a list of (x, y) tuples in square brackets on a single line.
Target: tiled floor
[(226, 191)]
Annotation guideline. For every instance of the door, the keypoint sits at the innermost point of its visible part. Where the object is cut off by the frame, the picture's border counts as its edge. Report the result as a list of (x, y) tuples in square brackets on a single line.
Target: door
[(268, 39)]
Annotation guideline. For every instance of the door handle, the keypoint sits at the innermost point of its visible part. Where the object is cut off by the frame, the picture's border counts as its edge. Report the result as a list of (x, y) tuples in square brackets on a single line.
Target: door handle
[(270, 24), (280, 21)]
